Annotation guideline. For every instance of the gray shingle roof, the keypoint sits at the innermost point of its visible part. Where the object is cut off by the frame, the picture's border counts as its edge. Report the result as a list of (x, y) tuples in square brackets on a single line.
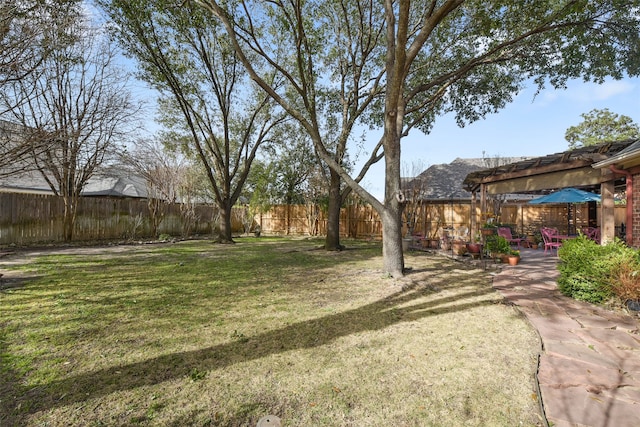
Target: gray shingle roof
[(108, 183), (444, 181)]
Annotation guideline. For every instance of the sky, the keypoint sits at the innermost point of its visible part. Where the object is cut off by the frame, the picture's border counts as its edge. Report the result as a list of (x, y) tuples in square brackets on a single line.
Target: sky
[(532, 126)]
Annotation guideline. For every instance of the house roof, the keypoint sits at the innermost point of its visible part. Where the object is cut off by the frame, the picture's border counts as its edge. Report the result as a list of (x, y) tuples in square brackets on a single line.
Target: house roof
[(110, 182), (444, 181), (115, 186), (630, 153), (29, 181)]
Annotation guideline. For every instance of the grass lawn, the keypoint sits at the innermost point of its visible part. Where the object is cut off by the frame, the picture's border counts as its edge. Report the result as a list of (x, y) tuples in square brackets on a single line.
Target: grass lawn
[(199, 334)]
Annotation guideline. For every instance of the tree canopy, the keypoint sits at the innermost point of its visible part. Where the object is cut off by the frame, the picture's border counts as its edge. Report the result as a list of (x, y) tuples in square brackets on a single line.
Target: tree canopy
[(30, 32), (600, 126), (424, 58)]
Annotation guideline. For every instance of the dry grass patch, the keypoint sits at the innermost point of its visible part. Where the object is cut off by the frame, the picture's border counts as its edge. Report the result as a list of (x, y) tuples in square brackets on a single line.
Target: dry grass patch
[(208, 335)]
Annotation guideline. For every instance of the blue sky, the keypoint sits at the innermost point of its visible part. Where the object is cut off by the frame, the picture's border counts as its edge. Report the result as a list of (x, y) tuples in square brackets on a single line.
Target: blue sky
[(527, 127)]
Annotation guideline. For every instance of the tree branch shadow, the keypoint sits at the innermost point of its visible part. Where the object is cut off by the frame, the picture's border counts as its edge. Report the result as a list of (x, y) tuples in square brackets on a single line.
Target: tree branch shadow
[(378, 315)]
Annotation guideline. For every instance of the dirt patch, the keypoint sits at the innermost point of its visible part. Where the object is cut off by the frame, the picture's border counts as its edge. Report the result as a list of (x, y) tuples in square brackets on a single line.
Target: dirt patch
[(11, 279)]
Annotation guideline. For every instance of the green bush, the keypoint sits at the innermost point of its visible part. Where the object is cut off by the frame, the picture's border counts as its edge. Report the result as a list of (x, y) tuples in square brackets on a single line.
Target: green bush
[(588, 270), (498, 244)]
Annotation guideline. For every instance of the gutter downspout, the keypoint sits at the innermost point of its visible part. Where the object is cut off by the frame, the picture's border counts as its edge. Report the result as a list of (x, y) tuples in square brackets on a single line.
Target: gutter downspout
[(629, 181)]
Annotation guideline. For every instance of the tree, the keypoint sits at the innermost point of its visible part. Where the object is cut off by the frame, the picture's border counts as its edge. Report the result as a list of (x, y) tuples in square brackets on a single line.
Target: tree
[(327, 86), (75, 109), (162, 171), (30, 30), (284, 174), (433, 57), (600, 126), (413, 188), (293, 164), (206, 98)]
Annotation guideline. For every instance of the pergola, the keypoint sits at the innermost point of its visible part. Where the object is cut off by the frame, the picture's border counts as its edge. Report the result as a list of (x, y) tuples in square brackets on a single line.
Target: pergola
[(584, 168)]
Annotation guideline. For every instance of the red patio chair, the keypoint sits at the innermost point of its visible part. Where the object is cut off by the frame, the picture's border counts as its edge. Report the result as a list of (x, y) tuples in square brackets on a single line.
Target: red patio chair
[(550, 240), (506, 233), (592, 233)]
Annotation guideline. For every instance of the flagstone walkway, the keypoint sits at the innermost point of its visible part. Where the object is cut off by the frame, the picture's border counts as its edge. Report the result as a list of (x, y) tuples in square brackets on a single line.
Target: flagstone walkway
[(589, 368)]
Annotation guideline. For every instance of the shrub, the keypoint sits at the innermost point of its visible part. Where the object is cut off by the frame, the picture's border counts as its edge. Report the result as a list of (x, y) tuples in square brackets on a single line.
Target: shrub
[(625, 281), (591, 272), (498, 244)]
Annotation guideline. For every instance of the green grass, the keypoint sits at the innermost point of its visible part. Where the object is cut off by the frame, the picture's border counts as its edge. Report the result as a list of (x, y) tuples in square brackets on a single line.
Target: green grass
[(201, 334)]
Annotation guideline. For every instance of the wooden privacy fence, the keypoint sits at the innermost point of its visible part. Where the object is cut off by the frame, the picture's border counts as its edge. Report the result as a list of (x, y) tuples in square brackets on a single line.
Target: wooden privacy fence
[(357, 221), (361, 221), (28, 219)]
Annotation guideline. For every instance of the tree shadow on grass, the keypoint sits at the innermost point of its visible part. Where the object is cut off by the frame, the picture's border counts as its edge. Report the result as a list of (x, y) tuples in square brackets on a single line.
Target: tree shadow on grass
[(378, 315)]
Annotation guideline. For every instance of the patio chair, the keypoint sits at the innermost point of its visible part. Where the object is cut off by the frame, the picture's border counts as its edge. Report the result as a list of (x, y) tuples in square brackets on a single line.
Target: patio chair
[(550, 240), (506, 233), (592, 233)]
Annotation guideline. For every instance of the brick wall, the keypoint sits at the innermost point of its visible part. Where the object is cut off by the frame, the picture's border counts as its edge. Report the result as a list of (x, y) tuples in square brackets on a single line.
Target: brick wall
[(635, 227)]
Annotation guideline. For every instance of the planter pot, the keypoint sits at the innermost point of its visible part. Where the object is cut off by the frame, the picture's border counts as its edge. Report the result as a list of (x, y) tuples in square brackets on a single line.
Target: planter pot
[(474, 248), (534, 246), (513, 260), (504, 258)]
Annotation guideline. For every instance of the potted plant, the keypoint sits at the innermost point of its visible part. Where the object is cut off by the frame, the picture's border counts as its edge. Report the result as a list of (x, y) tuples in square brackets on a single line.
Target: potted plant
[(534, 239), (497, 246), (488, 228), (513, 257)]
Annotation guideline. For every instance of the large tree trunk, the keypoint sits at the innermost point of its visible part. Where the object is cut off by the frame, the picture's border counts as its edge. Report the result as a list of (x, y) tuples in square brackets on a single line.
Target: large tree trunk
[(225, 223), (332, 241), (69, 218), (393, 257)]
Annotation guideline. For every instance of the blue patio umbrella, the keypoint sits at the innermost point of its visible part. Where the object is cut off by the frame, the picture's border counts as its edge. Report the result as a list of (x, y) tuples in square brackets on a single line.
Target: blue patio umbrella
[(568, 196)]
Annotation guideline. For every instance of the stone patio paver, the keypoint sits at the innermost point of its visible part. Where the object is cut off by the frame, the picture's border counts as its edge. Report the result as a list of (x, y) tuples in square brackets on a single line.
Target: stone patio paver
[(589, 370)]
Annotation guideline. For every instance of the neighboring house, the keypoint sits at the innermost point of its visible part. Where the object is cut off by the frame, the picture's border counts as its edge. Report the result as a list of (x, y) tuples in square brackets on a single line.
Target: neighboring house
[(18, 175), (436, 199), (108, 183), (26, 182), (443, 182), (115, 184)]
